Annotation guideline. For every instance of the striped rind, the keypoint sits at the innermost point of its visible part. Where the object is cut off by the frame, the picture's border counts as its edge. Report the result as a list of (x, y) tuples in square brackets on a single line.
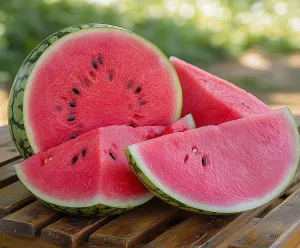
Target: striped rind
[(139, 167), (17, 125)]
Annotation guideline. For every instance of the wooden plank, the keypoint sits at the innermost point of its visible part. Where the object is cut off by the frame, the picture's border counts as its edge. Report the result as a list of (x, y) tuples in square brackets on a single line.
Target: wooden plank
[(8, 153), (5, 136), (14, 197), (11, 241), (290, 239), (132, 227), (70, 231), (29, 220), (272, 226), (8, 174)]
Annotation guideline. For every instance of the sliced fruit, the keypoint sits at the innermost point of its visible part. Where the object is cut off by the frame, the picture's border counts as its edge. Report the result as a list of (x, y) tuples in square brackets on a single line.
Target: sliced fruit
[(212, 100), (90, 175), (236, 166), (89, 76)]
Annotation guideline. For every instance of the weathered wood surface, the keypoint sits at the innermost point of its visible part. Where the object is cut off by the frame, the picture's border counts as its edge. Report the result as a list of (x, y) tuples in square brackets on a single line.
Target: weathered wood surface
[(27, 223)]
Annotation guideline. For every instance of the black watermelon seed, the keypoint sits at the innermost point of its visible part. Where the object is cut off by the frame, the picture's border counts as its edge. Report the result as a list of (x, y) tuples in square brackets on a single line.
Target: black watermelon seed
[(131, 125), (112, 156), (203, 161), (138, 90), (74, 136), (94, 64), (76, 91), (110, 76), (142, 103), (74, 160), (129, 85), (245, 105), (100, 60), (71, 117), (83, 153), (72, 104)]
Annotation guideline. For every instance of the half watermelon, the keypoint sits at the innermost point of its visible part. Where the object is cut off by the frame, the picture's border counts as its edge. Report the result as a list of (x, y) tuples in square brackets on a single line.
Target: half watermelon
[(90, 175), (89, 76), (213, 100), (236, 166)]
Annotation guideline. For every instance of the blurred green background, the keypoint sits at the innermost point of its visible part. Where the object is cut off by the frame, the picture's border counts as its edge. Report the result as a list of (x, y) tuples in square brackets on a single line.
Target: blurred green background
[(254, 44)]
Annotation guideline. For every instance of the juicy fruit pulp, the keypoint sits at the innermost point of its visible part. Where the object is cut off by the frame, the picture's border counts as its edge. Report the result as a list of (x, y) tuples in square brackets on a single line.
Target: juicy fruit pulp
[(90, 175), (233, 167), (90, 76), (212, 100)]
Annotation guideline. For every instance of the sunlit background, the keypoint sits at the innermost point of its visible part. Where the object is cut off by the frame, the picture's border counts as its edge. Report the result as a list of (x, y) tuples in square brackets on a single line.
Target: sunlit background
[(254, 44)]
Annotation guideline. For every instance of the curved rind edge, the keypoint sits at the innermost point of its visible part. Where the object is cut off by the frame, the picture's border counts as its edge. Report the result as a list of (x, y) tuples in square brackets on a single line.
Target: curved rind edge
[(156, 191), (16, 97), (171, 200), (93, 210)]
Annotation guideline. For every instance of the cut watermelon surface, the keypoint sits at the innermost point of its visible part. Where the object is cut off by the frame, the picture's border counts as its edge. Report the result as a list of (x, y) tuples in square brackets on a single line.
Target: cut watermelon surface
[(90, 175), (236, 166), (89, 76), (212, 100)]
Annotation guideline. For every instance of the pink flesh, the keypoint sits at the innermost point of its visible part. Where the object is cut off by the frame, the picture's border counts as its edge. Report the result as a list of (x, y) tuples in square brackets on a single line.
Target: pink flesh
[(245, 159), (101, 101), (212, 100), (97, 173)]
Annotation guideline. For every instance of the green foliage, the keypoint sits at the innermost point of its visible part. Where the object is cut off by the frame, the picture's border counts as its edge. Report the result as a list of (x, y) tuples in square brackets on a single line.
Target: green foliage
[(200, 31)]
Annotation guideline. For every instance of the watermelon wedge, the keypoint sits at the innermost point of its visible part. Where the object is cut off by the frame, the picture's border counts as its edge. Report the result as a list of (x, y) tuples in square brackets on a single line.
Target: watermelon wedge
[(236, 166), (89, 76), (212, 100), (90, 175)]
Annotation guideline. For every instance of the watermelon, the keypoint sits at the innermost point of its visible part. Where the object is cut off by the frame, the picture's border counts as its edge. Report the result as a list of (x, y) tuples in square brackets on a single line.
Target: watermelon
[(236, 166), (90, 175), (89, 76), (212, 100)]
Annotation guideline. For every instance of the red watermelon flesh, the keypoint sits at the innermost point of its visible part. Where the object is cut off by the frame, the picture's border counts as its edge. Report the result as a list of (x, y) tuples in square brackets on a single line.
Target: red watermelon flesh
[(212, 100), (233, 167), (98, 77), (91, 169)]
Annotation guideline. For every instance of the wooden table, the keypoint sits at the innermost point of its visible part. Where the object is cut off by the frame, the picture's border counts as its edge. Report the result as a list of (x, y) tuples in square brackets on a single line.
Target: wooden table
[(26, 223)]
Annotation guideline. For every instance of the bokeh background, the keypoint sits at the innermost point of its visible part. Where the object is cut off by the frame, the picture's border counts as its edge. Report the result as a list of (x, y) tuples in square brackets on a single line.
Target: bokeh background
[(254, 44)]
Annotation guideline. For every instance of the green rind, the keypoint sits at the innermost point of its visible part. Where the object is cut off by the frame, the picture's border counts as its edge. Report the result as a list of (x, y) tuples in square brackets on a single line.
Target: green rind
[(171, 200), (156, 191), (16, 98)]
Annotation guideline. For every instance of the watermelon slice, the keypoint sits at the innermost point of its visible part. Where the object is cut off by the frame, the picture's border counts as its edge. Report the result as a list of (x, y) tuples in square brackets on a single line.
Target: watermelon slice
[(90, 175), (89, 76), (236, 166), (212, 100)]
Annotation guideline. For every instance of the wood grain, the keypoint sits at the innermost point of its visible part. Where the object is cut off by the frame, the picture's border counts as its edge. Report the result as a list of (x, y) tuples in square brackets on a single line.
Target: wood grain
[(5, 137), (70, 231), (290, 239), (272, 226), (8, 174), (10, 241), (29, 220), (132, 227), (8, 153), (13, 197)]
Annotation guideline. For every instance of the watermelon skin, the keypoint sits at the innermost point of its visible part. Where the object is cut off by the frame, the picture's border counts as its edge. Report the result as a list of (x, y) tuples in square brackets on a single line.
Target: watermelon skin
[(20, 133), (158, 182), (117, 189), (212, 100)]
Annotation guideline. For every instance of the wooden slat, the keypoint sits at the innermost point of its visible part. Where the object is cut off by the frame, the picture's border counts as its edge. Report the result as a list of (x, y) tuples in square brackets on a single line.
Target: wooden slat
[(131, 228), (13, 197), (11, 241), (272, 226), (8, 174), (5, 136), (290, 239), (8, 153), (70, 231), (29, 220)]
